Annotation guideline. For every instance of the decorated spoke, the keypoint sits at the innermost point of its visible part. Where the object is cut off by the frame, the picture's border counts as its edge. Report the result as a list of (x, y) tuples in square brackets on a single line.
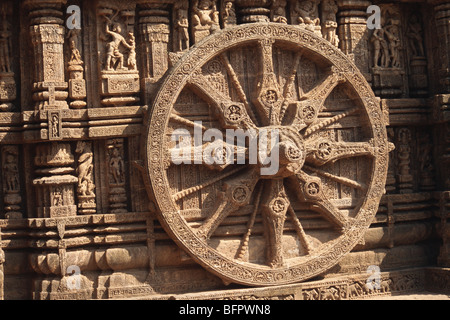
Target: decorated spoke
[(311, 104), (232, 114), (268, 99), (237, 193), (275, 205), (312, 191), (289, 86), (323, 151)]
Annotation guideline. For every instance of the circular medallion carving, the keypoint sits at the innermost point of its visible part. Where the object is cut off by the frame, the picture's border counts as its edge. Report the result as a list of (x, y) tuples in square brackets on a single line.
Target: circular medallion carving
[(285, 214)]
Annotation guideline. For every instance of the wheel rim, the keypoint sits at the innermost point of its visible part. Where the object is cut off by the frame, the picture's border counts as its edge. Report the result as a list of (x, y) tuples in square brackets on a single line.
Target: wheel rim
[(268, 202)]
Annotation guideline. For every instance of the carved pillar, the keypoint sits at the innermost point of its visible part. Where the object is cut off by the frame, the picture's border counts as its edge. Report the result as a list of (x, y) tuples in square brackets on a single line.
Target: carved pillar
[(2, 270), (441, 61), (11, 182), (442, 32), (77, 83), (354, 34), (8, 91), (55, 196), (153, 26), (253, 10), (405, 178), (47, 36)]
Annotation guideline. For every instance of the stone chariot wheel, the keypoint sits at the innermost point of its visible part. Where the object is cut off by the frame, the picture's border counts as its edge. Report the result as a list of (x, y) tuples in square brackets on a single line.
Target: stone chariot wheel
[(285, 225)]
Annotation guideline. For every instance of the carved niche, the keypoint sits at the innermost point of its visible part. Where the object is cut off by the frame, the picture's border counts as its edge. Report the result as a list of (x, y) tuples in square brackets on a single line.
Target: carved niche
[(292, 224), (117, 53)]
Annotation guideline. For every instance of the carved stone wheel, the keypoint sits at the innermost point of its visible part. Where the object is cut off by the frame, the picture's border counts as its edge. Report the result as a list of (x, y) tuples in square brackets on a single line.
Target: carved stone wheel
[(297, 222)]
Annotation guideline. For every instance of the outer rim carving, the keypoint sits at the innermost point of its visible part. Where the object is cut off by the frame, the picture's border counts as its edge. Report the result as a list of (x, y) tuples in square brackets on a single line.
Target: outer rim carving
[(232, 270)]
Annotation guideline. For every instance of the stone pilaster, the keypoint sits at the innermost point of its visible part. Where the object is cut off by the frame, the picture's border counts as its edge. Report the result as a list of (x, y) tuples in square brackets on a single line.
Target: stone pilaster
[(442, 32), (55, 187), (154, 30), (354, 34), (8, 89), (2, 270), (47, 33)]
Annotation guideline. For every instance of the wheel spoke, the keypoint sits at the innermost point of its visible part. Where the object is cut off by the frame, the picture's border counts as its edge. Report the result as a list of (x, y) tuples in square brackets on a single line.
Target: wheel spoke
[(187, 122), (325, 151), (182, 194), (313, 192), (341, 180), (313, 129), (300, 231), (245, 239), (237, 194), (216, 155), (232, 114), (238, 87), (268, 98), (288, 86), (275, 204), (311, 104)]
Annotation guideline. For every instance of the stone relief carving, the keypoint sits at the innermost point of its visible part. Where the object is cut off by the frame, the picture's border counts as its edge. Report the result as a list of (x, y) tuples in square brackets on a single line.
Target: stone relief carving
[(11, 182), (205, 18), (229, 13), (120, 77), (85, 173), (307, 14), (117, 176), (329, 21), (245, 227), (181, 26)]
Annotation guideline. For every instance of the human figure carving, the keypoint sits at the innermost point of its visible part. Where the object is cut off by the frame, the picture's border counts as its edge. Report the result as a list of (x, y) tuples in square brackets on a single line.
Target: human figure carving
[(182, 28), (5, 44), (308, 12), (85, 169), (11, 172), (415, 36), (117, 167), (229, 14), (113, 53), (279, 11), (392, 34), (205, 13), (329, 11), (380, 49), (131, 62)]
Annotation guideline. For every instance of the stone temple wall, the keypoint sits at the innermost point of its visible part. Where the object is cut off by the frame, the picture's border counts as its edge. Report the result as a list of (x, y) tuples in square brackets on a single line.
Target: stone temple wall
[(105, 106)]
